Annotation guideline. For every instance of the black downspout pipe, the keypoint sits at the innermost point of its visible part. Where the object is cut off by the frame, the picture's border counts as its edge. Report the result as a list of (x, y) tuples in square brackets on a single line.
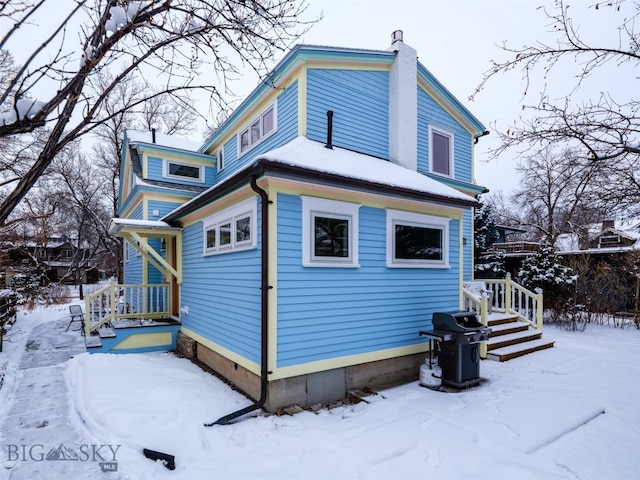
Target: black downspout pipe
[(329, 129), (264, 318)]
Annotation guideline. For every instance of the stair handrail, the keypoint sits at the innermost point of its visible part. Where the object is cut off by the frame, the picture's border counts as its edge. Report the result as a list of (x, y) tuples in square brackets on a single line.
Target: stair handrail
[(511, 298), (110, 303)]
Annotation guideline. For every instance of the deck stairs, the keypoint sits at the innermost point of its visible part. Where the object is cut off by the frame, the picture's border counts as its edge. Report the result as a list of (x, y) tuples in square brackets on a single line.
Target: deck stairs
[(512, 338)]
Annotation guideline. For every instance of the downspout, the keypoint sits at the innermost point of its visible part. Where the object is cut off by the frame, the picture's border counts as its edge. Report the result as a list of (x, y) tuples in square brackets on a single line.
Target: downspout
[(264, 318)]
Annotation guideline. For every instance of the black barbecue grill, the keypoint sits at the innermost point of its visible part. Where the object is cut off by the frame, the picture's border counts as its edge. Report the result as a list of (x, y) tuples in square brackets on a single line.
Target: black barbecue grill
[(458, 336)]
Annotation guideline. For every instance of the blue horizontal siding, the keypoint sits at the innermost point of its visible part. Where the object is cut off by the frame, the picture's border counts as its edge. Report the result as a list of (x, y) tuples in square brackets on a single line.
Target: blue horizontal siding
[(430, 113), (360, 104), (223, 294), (467, 233), (332, 312), (287, 113), (133, 267)]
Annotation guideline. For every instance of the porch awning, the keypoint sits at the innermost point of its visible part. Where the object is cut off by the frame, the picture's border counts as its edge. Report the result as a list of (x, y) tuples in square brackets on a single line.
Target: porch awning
[(135, 231)]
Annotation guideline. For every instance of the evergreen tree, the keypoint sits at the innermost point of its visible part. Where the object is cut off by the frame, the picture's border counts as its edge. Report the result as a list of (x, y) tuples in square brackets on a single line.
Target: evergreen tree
[(487, 263), (544, 270)]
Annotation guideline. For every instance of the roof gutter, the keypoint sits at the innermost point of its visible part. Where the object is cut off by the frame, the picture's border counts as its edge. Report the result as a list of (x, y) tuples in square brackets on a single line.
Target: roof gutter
[(264, 313)]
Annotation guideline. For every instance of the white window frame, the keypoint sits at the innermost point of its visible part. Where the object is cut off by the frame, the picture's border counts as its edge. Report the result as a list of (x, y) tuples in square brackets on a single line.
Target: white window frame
[(312, 207), (246, 208), (220, 158), (445, 133), (262, 136), (418, 220), (166, 174)]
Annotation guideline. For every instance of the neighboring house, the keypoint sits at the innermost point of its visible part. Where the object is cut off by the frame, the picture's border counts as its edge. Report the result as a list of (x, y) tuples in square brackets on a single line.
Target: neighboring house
[(315, 233)]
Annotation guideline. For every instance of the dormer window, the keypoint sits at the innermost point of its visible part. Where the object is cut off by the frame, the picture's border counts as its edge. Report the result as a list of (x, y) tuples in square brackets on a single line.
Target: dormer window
[(440, 151), (259, 129), (183, 171)]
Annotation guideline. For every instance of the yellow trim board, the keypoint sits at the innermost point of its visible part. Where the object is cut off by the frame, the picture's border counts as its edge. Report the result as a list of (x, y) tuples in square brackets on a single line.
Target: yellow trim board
[(141, 340), (347, 361)]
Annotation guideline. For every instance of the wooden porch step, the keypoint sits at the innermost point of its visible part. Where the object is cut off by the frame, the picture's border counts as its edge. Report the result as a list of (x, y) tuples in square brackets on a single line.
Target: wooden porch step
[(507, 328), (106, 332), (93, 341), (517, 350), (512, 339), (500, 319)]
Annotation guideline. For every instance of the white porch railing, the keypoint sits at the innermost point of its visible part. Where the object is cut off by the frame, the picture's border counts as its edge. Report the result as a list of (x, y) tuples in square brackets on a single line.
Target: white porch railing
[(508, 297), (125, 301), (505, 296)]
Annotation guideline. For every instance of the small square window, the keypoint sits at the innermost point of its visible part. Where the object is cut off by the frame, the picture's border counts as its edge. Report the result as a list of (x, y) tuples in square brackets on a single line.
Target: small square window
[(329, 233), (331, 236)]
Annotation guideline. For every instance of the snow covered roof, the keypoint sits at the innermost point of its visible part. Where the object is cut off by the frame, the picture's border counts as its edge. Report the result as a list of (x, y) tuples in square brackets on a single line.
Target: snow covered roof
[(302, 155), (118, 224), (162, 140), (312, 155)]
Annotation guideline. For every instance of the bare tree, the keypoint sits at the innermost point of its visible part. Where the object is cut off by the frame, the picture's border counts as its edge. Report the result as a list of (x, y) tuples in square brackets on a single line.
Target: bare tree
[(604, 126), (172, 42), (557, 193)]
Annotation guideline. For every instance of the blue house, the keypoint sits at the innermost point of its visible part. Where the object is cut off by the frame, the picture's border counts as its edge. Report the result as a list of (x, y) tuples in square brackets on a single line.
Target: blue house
[(301, 248)]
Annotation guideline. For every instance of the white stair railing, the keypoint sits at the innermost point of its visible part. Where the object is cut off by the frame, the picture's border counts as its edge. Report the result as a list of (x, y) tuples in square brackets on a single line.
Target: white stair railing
[(125, 301)]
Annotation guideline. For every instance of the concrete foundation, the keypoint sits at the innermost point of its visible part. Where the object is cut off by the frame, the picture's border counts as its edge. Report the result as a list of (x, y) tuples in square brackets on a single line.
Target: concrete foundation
[(186, 346), (318, 387)]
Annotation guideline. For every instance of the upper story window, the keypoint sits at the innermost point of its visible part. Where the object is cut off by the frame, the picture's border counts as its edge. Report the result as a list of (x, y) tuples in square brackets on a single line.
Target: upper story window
[(220, 158), (329, 233), (416, 240), (440, 151), (183, 171), (231, 229), (259, 129)]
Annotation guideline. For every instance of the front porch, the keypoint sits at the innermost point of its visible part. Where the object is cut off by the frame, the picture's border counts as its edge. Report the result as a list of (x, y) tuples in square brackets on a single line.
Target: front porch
[(130, 319)]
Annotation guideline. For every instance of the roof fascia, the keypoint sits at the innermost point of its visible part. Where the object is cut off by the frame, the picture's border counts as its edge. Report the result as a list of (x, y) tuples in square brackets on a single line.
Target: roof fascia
[(263, 167), (450, 103), (154, 147)]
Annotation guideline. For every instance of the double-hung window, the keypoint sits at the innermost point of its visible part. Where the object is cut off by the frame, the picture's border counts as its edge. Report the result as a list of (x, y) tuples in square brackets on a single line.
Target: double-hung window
[(416, 240), (231, 229), (329, 233), (440, 151), (260, 128)]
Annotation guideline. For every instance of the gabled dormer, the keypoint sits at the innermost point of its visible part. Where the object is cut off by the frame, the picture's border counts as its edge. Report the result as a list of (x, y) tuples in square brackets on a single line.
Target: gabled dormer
[(163, 167)]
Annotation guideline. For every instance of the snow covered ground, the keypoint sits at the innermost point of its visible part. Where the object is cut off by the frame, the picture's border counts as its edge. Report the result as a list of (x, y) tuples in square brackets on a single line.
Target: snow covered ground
[(537, 417)]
